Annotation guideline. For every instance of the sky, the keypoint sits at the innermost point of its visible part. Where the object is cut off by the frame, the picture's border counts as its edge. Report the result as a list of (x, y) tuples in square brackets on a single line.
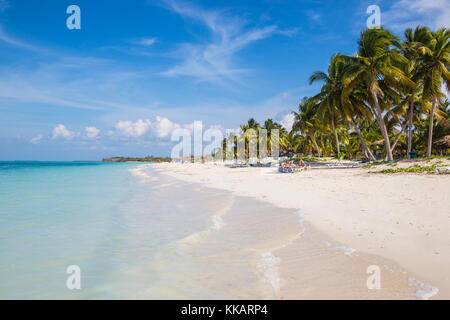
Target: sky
[(137, 70)]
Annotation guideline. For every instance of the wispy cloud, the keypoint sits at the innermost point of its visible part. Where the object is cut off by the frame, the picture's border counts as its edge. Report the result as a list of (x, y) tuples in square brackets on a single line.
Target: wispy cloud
[(410, 13), (146, 42), (4, 4), (213, 60), (95, 84), (314, 15), (17, 43), (37, 139)]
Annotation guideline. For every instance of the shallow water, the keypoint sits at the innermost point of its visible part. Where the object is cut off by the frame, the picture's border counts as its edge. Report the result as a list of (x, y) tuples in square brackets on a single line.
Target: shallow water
[(136, 233)]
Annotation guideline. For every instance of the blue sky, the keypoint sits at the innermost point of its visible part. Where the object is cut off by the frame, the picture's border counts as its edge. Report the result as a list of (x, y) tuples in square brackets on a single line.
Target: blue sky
[(139, 69)]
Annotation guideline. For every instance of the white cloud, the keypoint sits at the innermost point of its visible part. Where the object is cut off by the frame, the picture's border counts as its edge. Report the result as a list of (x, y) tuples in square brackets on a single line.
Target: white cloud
[(287, 121), (37, 139), (411, 13), (60, 131), (146, 42), (133, 129), (445, 91), (313, 15), (213, 60), (163, 127), (92, 132)]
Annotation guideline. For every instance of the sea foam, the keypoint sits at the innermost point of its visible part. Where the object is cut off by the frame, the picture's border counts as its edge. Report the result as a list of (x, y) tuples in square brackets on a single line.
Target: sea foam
[(425, 291), (268, 266)]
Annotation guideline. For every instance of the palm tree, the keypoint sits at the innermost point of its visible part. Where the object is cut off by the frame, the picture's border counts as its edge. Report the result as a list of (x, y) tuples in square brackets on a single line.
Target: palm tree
[(330, 94), (291, 142), (376, 60), (305, 118), (251, 124), (412, 48), (270, 125), (355, 111), (435, 59)]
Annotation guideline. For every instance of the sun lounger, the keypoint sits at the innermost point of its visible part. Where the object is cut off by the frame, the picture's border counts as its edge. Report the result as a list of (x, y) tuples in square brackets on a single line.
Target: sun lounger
[(355, 164), (342, 164), (239, 166), (261, 165), (291, 170), (336, 163), (443, 170)]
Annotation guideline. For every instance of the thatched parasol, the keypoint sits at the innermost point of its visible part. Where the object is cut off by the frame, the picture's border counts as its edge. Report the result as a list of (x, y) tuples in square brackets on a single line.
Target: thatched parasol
[(442, 143)]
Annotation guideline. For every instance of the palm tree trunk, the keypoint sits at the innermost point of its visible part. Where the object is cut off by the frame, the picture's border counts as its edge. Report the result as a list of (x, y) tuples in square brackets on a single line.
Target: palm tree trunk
[(364, 146), (383, 129), (338, 148), (430, 130), (410, 121), (315, 144), (399, 136)]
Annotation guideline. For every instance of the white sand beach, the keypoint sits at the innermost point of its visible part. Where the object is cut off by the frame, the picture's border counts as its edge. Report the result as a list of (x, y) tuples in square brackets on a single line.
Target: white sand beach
[(404, 218)]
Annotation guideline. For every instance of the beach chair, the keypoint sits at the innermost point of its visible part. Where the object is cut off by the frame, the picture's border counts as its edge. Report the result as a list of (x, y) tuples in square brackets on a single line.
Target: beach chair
[(355, 164), (291, 170), (443, 170), (284, 170), (337, 163)]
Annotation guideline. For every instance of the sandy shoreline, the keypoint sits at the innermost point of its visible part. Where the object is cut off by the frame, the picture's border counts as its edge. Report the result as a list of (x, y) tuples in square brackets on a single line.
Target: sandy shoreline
[(403, 218)]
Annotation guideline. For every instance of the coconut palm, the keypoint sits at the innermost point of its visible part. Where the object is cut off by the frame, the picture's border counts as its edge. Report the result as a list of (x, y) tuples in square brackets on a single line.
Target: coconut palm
[(330, 94), (251, 124), (305, 118), (376, 61), (412, 48), (435, 59), (356, 112), (271, 125)]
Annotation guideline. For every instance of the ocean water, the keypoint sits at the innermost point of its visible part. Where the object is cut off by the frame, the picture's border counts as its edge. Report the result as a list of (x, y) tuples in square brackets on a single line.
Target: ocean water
[(56, 214), (136, 233), (131, 233)]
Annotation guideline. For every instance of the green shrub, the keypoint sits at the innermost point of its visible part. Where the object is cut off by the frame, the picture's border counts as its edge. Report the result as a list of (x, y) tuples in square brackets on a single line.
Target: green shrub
[(413, 169)]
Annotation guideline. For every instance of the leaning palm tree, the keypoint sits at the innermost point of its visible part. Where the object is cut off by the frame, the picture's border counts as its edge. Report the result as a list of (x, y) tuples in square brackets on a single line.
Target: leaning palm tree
[(355, 111), (330, 94), (376, 60), (305, 119), (435, 59)]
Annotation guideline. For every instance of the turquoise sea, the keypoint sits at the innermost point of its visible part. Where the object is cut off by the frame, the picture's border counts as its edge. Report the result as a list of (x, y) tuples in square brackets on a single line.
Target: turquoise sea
[(132, 233), (56, 214), (98, 216)]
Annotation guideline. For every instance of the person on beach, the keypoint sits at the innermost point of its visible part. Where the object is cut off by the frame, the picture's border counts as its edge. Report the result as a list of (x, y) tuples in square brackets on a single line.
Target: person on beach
[(302, 164)]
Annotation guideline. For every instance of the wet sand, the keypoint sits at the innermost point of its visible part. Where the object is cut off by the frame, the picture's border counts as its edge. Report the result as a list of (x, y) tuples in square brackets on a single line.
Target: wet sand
[(251, 249), (375, 215)]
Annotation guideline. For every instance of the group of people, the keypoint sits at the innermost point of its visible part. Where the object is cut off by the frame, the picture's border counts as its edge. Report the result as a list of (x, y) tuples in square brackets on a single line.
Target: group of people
[(294, 165), (290, 166)]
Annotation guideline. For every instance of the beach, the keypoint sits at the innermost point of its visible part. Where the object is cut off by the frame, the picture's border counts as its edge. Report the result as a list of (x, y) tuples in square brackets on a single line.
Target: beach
[(204, 231), (399, 220)]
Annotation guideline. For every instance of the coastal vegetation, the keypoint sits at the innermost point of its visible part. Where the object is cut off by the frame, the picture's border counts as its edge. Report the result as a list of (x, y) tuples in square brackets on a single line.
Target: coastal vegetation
[(144, 159), (386, 101)]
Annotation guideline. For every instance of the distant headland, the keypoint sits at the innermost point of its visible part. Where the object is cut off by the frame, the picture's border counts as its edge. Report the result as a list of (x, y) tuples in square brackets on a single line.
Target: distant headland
[(131, 159)]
